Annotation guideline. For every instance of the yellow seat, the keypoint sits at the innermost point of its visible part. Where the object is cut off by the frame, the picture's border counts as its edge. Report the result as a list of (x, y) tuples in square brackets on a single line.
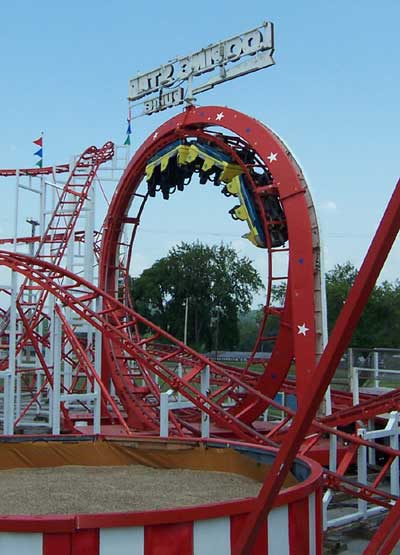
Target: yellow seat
[(230, 172), (164, 161), (150, 169), (182, 155), (192, 154), (241, 213), (233, 186)]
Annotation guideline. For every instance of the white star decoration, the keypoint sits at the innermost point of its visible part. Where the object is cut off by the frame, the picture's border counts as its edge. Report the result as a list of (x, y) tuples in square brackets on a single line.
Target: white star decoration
[(272, 157), (219, 116), (302, 329), (155, 136)]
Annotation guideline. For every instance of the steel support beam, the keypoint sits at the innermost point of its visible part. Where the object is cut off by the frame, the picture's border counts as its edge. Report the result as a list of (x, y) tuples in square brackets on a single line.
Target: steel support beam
[(321, 378)]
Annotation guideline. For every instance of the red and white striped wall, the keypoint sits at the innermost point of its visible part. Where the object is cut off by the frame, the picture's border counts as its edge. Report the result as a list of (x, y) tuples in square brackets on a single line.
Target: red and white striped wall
[(292, 528)]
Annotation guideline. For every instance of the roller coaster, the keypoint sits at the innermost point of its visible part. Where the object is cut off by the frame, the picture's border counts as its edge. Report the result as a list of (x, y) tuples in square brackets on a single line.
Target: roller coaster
[(119, 373), (77, 358)]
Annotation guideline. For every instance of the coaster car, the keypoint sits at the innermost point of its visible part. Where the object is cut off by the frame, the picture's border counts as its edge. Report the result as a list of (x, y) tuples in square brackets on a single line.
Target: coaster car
[(246, 211), (173, 166)]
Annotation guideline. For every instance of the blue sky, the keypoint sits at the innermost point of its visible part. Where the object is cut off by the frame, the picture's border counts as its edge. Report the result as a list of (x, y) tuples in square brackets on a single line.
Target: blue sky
[(332, 96)]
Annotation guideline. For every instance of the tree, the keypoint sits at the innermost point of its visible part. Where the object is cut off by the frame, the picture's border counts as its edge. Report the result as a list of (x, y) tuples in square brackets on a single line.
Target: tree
[(379, 325), (217, 283), (338, 283), (249, 323), (249, 327)]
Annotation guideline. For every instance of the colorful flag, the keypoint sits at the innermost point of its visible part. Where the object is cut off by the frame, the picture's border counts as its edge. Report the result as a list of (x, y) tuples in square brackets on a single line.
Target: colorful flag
[(39, 152), (128, 133)]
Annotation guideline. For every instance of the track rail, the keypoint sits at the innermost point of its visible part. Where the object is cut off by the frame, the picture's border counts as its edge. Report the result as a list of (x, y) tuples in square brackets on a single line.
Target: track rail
[(114, 320), (206, 122), (34, 172), (53, 244), (137, 365), (33, 320)]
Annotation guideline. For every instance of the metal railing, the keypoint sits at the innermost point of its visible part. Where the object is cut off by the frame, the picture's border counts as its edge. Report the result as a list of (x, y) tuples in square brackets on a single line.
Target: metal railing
[(368, 365)]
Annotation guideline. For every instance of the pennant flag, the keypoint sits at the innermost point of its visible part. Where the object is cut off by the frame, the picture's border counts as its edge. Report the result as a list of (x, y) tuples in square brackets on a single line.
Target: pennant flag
[(128, 133), (39, 152)]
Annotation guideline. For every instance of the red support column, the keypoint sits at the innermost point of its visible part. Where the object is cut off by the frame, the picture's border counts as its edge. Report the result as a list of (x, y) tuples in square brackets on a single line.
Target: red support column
[(387, 535), (320, 379)]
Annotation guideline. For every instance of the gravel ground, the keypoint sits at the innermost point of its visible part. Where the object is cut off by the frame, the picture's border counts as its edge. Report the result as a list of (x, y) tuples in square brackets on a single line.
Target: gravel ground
[(353, 539), (88, 489)]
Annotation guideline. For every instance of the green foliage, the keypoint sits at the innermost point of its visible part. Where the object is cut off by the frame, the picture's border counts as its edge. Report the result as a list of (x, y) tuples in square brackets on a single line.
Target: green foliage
[(249, 323), (217, 282), (379, 325), (279, 294), (219, 285)]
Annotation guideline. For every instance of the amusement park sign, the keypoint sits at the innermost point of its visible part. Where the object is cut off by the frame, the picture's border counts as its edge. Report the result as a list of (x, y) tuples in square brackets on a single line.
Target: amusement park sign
[(224, 59)]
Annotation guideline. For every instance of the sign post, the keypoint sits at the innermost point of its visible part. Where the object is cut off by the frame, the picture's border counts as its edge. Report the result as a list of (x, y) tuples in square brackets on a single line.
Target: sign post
[(225, 60)]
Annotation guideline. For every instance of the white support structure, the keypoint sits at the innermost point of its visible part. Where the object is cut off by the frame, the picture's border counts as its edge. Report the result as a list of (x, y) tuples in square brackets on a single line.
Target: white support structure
[(376, 368), (56, 394), (367, 456), (205, 390), (362, 472), (9, 381), (391, 431), (376, 373), (49, 359), (59, 395), (180, 375), (97, 338), (167, 405), (164, 413), (35, 196)]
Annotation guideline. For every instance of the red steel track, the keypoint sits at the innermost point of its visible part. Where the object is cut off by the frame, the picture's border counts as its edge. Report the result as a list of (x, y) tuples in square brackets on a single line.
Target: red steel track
[(299, 309), (30, 302), (47, 170), (303, 275), (114, 320), (135, 363)]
